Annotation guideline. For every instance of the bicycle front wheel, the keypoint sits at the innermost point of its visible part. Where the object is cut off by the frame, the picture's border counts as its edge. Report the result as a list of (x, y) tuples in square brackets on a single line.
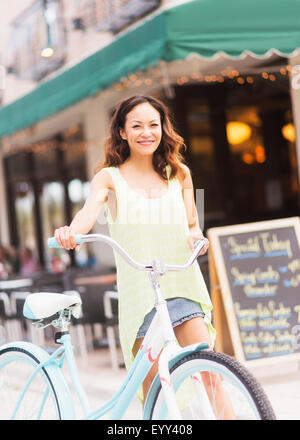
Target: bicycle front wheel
[(210, 385), (29, 391)]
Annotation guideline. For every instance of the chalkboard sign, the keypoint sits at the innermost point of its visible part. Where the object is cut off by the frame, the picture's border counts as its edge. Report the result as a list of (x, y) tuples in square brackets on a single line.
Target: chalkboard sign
[(257, 268)]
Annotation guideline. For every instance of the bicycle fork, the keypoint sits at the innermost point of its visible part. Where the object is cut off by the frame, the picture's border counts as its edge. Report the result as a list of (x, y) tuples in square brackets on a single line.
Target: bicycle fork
[(172, 350)]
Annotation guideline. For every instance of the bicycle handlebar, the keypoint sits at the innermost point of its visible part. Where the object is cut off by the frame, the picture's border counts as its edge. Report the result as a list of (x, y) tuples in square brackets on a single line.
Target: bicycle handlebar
[(80, 239)]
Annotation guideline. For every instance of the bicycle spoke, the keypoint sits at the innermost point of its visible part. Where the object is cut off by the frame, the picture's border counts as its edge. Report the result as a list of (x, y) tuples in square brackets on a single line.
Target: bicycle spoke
[(226, 390), (35, 403)]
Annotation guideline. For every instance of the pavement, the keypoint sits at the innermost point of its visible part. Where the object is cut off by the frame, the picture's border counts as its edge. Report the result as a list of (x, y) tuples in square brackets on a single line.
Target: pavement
[(280, 380)]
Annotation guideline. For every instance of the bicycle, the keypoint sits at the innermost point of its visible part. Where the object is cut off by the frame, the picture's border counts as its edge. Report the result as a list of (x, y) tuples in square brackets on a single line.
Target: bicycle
[(32, 384)]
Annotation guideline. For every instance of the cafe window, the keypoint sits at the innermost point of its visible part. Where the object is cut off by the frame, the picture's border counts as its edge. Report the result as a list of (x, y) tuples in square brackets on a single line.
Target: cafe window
[(248, 158), (52, 205), (47, 184), (24, 206), (78, 193), (201, 160), (263, 156)]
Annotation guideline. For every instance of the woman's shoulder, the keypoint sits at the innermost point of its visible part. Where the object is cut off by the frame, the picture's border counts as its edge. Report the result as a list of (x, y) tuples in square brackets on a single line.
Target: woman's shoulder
[(104, 177), (183, 174)]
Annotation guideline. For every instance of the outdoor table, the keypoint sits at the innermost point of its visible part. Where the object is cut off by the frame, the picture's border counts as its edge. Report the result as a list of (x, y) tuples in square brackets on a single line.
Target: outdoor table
[(15, 284)]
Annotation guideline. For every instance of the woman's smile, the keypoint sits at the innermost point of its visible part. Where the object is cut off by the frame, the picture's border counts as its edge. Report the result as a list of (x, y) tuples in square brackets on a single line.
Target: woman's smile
[(146, 142)]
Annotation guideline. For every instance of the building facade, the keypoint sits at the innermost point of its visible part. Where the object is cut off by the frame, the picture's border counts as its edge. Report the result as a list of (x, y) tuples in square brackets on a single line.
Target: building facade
[(238, 117)]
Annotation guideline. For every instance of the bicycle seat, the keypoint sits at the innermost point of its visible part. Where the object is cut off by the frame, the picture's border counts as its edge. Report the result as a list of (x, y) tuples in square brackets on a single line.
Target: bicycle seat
[(44, 304)]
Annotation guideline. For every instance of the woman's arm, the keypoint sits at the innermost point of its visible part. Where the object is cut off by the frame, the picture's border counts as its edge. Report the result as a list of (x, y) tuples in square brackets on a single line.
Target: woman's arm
[(86, 217), (195, 232)]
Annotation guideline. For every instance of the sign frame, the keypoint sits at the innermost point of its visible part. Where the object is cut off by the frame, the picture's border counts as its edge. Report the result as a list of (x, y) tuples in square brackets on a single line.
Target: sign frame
[(222, 299)]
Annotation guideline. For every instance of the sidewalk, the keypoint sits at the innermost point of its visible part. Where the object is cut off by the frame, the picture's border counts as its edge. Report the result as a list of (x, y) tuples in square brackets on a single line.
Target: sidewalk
[(281, 383)]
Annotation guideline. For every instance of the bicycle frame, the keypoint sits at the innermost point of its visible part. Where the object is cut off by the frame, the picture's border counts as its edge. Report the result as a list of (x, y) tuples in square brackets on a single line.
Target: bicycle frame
[(160, 333), (160, 338)]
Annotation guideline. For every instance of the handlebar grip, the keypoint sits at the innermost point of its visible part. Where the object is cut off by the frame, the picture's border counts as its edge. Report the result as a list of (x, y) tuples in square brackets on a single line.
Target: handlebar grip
[(52, 243)]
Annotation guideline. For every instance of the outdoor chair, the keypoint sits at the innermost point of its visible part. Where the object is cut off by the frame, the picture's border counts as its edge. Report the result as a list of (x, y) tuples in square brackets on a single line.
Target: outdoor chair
[(111, 314), (6, 333), (24, 328), (91, 285)]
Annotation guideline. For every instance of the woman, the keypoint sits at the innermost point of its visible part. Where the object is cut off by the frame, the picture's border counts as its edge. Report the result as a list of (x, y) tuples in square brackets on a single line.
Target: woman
[(147, 192)]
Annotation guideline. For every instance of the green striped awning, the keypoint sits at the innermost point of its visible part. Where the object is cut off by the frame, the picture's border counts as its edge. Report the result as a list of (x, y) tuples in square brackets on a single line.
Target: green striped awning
[(203, 27)]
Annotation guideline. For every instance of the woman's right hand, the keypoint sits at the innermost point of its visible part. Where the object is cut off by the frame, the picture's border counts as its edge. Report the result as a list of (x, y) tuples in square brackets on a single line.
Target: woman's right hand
[(65, 237)]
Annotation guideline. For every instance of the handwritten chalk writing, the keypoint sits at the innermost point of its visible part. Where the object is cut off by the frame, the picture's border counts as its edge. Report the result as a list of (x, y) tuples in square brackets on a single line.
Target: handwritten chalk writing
[(265, 290), (297, 310), (263, 338), (266, 338), (277, 349), (294, 265), (270, 242), (242, 277), (251, 246), (252, 349), (273, 324), (247, 324), (264, 311), (270, 275), (274, 245), (268, 343), (284, 336), (281, 312), (244, 313), (248, 339), (292, 282), (258, 276)]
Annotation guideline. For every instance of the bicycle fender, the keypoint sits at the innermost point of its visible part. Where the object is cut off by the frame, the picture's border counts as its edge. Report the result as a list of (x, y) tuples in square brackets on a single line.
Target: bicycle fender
[(193, 348)]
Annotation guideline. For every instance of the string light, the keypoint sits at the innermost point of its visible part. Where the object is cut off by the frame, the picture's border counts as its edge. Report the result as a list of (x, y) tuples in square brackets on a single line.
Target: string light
[(17, 141), (133, 80)]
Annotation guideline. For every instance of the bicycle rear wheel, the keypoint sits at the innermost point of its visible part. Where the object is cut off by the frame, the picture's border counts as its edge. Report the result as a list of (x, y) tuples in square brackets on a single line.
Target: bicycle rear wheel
[(47, 395), (210, 385)]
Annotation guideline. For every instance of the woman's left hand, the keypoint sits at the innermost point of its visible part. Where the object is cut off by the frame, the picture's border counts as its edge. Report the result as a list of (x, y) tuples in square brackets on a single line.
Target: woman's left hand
[(196, 235)]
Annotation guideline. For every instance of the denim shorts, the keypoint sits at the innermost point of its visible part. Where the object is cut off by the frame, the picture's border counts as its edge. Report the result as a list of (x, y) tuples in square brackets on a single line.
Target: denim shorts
[(180, 310)]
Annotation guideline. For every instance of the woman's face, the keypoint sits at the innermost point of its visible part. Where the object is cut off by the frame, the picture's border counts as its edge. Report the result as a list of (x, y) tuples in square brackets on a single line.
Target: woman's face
[(142, 129)]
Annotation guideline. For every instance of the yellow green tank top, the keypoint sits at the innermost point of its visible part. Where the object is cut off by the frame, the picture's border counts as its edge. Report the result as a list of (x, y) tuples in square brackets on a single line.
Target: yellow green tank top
[(149, 229)]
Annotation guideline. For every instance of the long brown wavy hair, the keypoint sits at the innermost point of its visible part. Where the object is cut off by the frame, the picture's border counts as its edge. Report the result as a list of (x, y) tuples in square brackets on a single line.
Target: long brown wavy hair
[(168, 152)]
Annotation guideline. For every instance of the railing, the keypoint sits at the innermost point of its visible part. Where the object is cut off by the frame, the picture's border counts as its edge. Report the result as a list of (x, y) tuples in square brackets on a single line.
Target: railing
[(111, 15), (38, 43)]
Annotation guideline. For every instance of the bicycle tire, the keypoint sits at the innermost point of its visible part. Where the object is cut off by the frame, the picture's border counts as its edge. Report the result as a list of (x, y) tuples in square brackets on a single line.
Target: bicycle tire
[(47, 397), (232, 371)]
